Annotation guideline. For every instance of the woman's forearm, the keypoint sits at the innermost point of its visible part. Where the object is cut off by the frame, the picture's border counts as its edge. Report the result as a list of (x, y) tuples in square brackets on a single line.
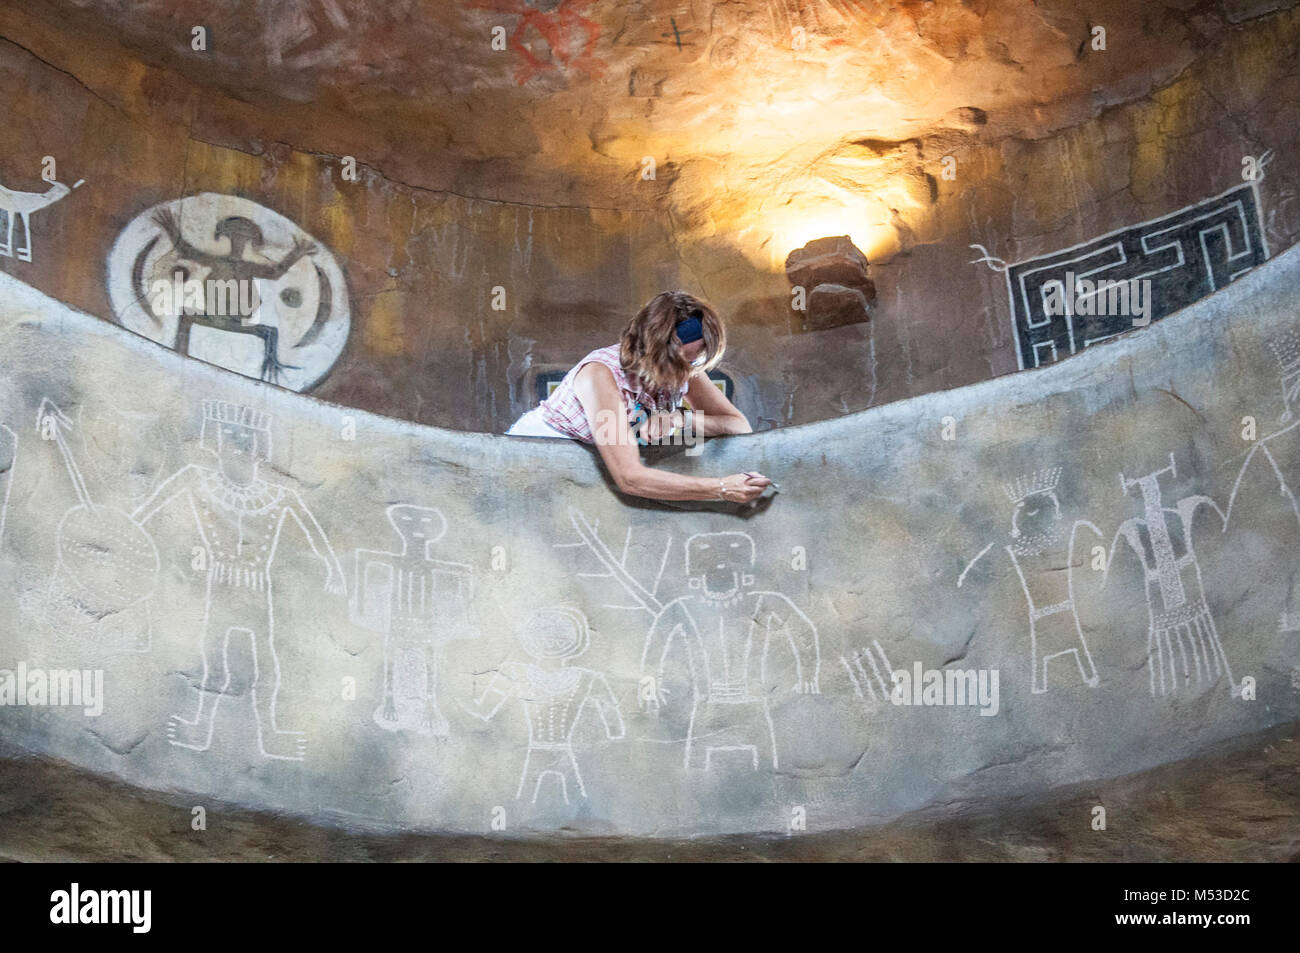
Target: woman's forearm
[(720, 425), (662, 485)]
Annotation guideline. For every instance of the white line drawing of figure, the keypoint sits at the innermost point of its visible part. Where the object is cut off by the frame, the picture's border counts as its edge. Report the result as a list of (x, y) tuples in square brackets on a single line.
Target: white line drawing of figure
[(1036, 538), (419, 604), (1283, 443), (107, 566), (724, 627), (553, 694), (866, 679), (8, 460), (727, 631), (1183, 617), (21, 205), (239, 517)]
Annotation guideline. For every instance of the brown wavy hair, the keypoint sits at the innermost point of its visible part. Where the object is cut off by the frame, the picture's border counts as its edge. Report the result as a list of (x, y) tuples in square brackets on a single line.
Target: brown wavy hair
[(650, 349)]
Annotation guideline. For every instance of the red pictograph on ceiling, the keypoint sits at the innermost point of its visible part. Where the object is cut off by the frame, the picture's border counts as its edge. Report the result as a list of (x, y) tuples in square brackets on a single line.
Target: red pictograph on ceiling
[(570, 37)]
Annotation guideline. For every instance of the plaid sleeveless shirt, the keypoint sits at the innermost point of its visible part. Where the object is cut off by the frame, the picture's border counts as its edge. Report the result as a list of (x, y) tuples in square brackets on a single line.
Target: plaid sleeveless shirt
[(563, 411)]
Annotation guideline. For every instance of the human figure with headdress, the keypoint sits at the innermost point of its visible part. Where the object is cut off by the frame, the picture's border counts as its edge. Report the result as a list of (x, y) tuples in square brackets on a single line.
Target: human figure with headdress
[(239, 517)]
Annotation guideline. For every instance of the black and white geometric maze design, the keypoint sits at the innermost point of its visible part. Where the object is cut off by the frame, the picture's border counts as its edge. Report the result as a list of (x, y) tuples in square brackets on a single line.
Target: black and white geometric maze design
[(1185, 256)]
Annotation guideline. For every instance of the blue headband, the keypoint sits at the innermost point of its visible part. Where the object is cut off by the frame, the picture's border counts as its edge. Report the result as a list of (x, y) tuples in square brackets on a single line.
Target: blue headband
[(690, 329)]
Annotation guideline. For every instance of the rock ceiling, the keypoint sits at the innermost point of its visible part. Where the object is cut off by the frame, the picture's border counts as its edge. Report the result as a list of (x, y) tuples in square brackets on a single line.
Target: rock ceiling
[(769, 121)]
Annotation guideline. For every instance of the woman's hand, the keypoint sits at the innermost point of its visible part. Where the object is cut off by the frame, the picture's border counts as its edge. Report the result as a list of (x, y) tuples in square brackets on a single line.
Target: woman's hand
[(659, 426), (603, 402), (742, 487)]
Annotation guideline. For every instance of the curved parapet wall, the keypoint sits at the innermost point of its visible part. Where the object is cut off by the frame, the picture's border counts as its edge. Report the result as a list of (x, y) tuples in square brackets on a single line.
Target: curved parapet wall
[(271, 601)]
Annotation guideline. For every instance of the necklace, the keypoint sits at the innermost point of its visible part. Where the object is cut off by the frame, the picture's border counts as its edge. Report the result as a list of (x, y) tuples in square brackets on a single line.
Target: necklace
[(253, 498)]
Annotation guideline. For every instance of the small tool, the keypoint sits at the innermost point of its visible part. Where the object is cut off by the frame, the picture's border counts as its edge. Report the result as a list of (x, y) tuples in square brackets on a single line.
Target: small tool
[(776, 487)]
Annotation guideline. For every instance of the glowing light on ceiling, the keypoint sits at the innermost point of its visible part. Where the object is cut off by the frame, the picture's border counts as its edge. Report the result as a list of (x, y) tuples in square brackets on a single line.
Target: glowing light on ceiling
[(806, 217)]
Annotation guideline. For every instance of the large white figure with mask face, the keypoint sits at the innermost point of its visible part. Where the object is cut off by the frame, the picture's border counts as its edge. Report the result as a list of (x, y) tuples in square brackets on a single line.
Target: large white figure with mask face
[(728, 631)]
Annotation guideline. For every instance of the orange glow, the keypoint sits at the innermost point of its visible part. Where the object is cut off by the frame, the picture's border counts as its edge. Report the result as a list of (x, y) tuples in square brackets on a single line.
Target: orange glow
[(804, 217)]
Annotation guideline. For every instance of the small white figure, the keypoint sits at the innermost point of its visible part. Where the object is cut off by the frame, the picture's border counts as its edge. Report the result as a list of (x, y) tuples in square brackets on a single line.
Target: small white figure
[(553, 694), (728, 631)]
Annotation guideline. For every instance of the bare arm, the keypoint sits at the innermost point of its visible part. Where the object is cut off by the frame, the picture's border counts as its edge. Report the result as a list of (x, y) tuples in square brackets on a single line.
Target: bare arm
[(715, 416), (607, 414)]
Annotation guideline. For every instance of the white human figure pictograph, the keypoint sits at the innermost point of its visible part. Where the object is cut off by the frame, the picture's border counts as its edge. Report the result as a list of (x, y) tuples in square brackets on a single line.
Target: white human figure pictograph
[(553, 694), (419, 604), (1182, 616), (728, 630), (1038, 544), (1279, 447), (21, 205), (239, 517)]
